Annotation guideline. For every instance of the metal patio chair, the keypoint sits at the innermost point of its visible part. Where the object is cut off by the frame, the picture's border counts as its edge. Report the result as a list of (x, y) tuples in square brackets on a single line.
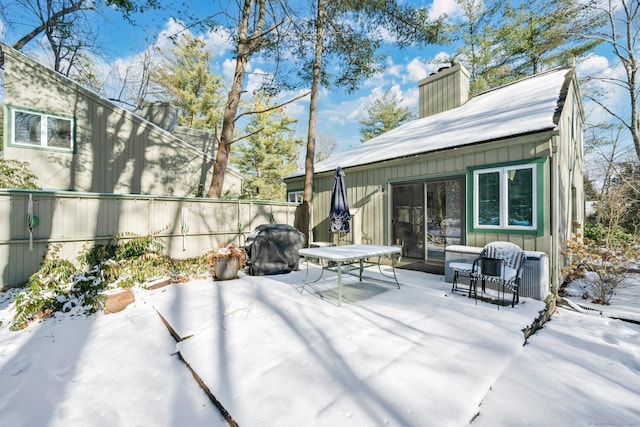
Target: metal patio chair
[(501, 263)]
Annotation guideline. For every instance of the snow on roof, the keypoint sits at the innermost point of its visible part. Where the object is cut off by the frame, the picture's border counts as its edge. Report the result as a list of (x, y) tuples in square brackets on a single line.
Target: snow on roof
[(525, 106)]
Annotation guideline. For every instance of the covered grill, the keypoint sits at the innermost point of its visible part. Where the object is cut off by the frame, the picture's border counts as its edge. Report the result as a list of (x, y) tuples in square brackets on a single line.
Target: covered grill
[(273, 249)]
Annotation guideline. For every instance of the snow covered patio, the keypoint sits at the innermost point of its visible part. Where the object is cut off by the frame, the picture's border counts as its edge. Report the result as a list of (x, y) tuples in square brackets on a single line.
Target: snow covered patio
[(416, 356), (388, 356)]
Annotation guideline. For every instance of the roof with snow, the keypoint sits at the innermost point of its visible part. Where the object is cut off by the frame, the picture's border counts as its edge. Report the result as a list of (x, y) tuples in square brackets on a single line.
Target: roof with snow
[(525, 106)]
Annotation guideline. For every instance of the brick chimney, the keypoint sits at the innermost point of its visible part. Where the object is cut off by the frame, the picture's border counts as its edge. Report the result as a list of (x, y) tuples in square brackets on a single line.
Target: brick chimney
[(444, 90)]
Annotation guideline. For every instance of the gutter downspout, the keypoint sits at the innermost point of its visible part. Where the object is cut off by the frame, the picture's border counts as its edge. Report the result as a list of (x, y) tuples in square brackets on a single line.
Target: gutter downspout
[(554, 176)]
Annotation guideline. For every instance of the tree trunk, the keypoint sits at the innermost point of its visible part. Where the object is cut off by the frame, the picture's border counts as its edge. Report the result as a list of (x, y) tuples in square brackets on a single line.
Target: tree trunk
[(245, 47), (313, 119)]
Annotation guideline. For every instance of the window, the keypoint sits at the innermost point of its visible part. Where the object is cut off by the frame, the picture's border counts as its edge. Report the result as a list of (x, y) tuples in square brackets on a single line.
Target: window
[(295, 196), (33, 129), (505, 198)]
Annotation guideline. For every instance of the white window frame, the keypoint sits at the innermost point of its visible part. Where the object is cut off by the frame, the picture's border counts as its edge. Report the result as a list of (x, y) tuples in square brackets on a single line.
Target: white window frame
[(298, 196), (504, 197), (43, 131)]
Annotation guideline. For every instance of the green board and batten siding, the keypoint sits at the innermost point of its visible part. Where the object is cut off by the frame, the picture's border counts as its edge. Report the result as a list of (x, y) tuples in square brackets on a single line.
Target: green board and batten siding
[(364, 184)]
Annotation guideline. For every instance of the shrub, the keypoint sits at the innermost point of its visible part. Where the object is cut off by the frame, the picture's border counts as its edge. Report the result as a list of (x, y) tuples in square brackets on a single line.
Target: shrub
[(610, 263), (125, 261), (47, 290), (15, 174), (601, 234)]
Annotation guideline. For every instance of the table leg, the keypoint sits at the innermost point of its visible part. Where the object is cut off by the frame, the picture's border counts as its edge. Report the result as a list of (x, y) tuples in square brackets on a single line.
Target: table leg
[(311, 281), (361, 268), (393, 269), (339, 284)]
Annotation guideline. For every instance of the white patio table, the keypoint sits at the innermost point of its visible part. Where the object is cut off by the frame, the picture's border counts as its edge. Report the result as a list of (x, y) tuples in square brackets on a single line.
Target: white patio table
[(348, 258)]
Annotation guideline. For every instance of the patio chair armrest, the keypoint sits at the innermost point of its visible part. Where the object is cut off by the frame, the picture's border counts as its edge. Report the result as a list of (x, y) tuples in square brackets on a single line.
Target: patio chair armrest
[(476, 262)]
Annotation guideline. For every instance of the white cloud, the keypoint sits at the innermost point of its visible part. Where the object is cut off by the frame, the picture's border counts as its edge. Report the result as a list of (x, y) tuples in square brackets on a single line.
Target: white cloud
[(218, 41), (228, 69), (416, 70), (410, 98), (171, 29), (451, 8), (254, 78), (298, 109), (592, 64), (1, 30)]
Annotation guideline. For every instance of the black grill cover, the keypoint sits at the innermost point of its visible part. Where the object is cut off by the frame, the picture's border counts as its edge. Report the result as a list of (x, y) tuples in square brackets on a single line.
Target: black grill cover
[(273, 249)]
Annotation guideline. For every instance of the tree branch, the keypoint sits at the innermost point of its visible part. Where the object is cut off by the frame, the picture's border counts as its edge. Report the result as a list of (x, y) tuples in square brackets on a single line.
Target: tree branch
[(249, 135), (52, 20), (275, 107), (608, 110)]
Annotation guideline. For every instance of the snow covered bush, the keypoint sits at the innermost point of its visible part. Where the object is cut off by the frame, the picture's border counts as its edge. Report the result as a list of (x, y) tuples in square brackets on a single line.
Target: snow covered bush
[(610, 264), (125, 261), (58, 286)]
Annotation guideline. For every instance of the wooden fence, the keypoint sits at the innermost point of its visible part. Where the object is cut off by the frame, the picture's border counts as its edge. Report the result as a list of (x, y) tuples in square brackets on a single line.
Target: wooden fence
[(32, 220)]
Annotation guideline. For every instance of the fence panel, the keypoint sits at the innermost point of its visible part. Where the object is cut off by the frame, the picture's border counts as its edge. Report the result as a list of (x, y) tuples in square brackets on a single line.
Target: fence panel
[(188, 226)]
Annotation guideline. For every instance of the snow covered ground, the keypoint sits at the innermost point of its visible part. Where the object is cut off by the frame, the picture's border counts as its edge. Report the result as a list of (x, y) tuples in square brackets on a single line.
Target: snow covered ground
[(415, 356)]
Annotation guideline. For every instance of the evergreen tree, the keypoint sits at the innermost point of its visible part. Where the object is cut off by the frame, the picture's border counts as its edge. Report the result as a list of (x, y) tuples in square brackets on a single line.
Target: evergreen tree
[(383, 114), (480, 50), (502, 42), (190, 84), (269, 153), (546, 33)]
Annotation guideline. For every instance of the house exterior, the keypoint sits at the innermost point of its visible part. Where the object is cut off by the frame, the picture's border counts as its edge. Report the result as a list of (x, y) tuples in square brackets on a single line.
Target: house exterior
[(76, 140), (503, 165)]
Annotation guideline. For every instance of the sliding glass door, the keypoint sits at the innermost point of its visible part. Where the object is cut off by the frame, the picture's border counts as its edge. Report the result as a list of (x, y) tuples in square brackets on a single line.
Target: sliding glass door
[(444, 217), (408, 219), (428, 216)]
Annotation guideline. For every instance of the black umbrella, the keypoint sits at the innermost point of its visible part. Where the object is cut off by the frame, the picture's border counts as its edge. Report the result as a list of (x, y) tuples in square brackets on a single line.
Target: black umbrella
[(339, 214)]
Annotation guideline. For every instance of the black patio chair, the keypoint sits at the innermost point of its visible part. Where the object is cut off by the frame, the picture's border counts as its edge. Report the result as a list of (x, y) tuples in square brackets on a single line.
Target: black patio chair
[(500, 263)]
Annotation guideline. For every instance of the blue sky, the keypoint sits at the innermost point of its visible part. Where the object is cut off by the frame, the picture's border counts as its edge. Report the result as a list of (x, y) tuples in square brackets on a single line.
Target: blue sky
[(339, 111)]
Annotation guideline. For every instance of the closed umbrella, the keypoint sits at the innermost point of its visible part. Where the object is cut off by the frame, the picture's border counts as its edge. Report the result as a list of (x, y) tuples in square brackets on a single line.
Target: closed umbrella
[(339, 215)]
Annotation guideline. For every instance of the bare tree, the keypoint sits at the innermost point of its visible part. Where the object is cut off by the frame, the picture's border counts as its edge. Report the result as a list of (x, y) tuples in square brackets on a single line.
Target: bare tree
[(63, 23), (325, 146), (622, 34)]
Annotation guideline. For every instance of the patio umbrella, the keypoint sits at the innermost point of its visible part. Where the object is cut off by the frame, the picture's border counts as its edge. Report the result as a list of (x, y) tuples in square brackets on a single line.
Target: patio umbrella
[(339, 214)]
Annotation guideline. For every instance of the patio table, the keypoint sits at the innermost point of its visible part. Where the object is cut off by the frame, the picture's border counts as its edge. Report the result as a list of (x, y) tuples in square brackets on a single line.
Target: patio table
[(349, 258)]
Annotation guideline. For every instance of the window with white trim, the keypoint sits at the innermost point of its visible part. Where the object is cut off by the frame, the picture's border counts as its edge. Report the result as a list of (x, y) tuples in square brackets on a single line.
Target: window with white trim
[(505, 197), (33, 129), (295, 196)]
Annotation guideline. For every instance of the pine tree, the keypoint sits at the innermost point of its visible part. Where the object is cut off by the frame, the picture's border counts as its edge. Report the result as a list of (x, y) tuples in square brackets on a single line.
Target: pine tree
[(383, 114), (502, 42), (269, 153), (545, 33), (480, 50), (191, 85)]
